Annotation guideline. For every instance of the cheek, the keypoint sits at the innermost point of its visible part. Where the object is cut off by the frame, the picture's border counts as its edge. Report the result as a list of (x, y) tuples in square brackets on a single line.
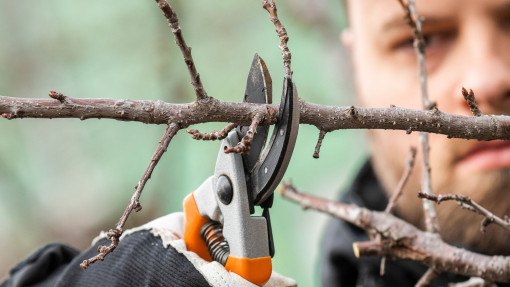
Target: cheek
[(390, 149), (445, 85), (380, 83)]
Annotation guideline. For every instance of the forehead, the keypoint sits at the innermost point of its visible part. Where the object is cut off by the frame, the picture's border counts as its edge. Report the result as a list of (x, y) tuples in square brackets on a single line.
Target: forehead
[(382, 13)]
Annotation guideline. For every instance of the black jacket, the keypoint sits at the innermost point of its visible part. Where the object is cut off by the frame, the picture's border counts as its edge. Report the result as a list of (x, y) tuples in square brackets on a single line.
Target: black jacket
[(139, 260), (339, 265)]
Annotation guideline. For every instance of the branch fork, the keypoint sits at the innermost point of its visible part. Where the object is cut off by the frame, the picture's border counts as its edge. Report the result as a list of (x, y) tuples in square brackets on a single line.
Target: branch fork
[(467, 203), (173, 22), (134, 203), (244, 146), (406, 241)]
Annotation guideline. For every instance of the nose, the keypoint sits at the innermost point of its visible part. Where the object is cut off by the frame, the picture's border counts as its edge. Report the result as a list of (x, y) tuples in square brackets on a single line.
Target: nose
[(487, 71)]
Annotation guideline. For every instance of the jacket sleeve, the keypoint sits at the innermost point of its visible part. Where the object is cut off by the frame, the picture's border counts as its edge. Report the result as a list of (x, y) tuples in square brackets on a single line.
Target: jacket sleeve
[(139, 260)]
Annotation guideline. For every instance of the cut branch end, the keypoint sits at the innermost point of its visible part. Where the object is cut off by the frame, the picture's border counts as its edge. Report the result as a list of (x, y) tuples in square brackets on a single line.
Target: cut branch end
[(322, 133), (355, 249)]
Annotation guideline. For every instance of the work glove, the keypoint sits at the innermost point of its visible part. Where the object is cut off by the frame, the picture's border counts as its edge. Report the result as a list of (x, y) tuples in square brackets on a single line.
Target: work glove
[(150, 255)]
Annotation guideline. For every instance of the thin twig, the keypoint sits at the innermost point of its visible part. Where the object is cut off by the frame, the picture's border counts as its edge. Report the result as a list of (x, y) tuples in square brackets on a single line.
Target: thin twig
[(244, 146), (400, 187), (113, 235), (470, 99), (467, 203), (426, 278), (214, 135), (419, 44), (396, 195), (282, 34), (134, 203), (319, 144), (402, 240), (173, 22)]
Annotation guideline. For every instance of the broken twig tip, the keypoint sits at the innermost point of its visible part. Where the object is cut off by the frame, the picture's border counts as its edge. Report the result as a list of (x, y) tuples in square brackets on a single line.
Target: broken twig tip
[(281, 188), (84, 265), (57, 96), (322, 133), (285, 187), (470, 99)]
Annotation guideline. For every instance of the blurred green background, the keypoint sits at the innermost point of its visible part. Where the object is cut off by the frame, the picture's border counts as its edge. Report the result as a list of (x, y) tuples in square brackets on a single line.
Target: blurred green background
[(65, 180)]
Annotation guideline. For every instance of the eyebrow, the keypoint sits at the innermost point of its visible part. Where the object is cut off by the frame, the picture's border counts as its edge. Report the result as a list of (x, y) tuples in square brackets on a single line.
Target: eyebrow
[(398, 22), (501, 11)]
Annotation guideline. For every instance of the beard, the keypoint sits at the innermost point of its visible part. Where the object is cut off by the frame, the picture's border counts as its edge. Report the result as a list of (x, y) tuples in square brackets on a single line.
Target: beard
[(463, 227), (459, 227)]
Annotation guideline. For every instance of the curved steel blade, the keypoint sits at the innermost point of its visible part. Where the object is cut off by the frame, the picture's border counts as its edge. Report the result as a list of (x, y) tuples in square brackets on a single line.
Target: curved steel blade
[(273, 163)]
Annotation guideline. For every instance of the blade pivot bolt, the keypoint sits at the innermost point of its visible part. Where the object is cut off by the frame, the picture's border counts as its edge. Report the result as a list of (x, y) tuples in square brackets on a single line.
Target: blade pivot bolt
[(224, 190)]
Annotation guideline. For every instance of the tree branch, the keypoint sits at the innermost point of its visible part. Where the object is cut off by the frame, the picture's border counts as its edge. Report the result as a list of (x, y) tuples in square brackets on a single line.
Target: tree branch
[(467, 203), (327, 118), (134, 203), (244, 146), (396, 195), (214, 135), (400, 187), (426, 278), (401, 240), (319, 144), (282, 34), (413, 20), (173, 22)]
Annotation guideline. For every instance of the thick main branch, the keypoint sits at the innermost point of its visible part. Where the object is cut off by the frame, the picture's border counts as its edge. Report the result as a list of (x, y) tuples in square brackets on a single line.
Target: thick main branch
[(326, 118)]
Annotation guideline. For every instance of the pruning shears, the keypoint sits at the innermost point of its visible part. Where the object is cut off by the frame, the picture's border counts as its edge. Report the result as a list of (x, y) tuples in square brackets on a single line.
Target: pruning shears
[(219, 224)]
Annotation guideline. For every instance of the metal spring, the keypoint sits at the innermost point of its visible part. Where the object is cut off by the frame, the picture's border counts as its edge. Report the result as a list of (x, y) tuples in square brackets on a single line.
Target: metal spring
[(212, 233)]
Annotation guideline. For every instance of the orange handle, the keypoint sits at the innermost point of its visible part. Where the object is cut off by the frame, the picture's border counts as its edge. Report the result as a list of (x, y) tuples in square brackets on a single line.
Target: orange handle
[(193, 222), (256, 270)]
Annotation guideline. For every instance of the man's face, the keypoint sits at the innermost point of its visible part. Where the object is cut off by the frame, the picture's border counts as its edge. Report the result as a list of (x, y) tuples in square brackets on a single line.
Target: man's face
[(468, 46)]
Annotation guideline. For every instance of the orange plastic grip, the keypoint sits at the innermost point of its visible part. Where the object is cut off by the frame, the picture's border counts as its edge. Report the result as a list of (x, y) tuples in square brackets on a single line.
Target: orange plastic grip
[(193, 222), (256, 270)]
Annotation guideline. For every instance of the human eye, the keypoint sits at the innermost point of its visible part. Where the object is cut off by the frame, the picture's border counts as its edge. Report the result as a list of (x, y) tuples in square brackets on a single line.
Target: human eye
[(438, 43), (434, 42)]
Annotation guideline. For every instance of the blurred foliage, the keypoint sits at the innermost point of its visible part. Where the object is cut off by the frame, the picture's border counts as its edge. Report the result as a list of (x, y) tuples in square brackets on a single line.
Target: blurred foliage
[(65, 180)]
